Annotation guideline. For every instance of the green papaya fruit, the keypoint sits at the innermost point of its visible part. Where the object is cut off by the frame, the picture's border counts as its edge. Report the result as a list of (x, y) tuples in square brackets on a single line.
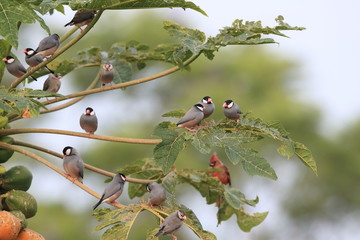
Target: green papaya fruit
[(5, 154), (20, 216), (18, 177), (22, 201)]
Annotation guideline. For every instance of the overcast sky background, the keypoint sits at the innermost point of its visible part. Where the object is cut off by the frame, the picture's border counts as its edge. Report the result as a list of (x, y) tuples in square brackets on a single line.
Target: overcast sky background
[(328, 51)]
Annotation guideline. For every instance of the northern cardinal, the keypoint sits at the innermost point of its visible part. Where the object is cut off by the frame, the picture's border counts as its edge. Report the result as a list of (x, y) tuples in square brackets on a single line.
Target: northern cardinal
[(223, 174)]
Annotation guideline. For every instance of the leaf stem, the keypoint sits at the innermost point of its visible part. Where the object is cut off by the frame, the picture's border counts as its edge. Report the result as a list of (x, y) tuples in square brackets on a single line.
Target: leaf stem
[(60, 51), (126, 84), (87, 166), (53, 167), (4, 132)]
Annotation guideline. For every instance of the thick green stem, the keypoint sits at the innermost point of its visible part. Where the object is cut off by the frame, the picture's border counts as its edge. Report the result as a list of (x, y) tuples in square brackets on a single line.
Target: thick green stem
[(87, 166), (4, 132)]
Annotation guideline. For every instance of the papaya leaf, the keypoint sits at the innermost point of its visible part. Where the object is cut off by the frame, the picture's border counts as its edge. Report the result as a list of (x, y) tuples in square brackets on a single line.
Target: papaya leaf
[(224, 212), (16, 101), (305, 156), (233, 197), (136, 4), (166, 152), (176, 113), (169, 182), (119, 221), (251, 162), (246, 221), (14, 12), (45, 6), (287, 149), (138, 190)]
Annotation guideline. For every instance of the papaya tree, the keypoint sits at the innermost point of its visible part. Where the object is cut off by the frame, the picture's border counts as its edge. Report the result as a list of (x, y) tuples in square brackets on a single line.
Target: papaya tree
[(235, 138)]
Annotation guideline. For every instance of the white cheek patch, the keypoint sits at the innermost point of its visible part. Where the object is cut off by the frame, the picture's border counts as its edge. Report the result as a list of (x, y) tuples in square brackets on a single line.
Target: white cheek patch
[(11, 60), (204, 101), (68, 151), (31, 52), (92, 113), (230, 105)]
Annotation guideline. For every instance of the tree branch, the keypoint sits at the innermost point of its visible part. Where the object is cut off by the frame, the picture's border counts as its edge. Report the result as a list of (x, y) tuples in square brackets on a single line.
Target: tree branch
[(48, 164), (4, 132), (87, 166), (59, 52), (126, 84)]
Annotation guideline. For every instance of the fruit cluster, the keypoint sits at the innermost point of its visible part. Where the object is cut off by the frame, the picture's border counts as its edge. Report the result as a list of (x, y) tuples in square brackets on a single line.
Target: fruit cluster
[(16, 205)]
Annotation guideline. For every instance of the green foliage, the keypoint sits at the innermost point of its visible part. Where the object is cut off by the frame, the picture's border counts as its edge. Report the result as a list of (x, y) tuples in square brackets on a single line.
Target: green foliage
[(14, 101)]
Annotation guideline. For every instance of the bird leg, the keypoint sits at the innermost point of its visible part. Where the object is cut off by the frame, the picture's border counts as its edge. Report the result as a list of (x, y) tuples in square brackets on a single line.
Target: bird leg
[(190, 129), (173, 236)]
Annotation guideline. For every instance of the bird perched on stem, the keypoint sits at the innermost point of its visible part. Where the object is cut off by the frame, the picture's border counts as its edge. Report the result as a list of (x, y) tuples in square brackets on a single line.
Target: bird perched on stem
[(106, 74), (73, 164), (209, 106), (48, 45), (52, 83), (172, 223), (88, 121), (192, 117), (222, 172), (33, 59), (231, 110), (14, 67), (81, 18), (113, 190), (157, 194)]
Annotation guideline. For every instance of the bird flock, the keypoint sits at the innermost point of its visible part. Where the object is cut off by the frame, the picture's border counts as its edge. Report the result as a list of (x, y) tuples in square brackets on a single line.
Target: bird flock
[(73, 163)]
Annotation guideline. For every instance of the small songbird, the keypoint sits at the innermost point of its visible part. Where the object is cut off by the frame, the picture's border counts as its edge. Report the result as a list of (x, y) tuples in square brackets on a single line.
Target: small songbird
[(14, 67), (209, 106), (107, 74), (73, 164), (52, 83), (222, 174), (33, 59), (81, 18), (192, 117), (172, 223), (231, 110), (88, 121), (157, 193), (113, 190), (48, 45)]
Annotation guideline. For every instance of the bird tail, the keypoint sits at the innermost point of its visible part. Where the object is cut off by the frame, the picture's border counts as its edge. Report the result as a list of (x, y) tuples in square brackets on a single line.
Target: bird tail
[(33, 78), (49, 69), (156, 235), (67, 24), (97, 204)]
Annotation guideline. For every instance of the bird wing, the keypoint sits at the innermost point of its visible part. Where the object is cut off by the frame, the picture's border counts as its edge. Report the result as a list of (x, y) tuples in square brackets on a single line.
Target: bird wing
[(46, 43), (190, 115), (80, 165), (111, 189), (82, 16), (46, 84)]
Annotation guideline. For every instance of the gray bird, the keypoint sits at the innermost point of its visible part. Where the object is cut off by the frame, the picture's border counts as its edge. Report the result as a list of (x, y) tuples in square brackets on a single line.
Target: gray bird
[(73, 164), (14, 67), (157, 193), (172, 223), (33, 59), (48, 45), (81, 18), (209, 106), (192, 117), (52, 83), (113, 190), (231, 110), (107, 74), (88, 121)]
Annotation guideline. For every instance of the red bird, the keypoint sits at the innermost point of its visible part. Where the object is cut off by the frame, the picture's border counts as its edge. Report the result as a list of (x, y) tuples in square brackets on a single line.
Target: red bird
[(223, 174)]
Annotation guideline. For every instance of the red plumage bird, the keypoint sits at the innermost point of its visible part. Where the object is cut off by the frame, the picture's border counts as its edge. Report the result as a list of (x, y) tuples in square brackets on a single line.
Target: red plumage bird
[(222, 174)]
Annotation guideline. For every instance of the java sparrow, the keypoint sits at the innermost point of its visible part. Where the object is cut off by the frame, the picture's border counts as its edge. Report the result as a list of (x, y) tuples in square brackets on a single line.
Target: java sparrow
[(52, 83), (231, 110), (14, 67), (81, 18), (33, 59), (107, 74), (73, 164), (172, 223), (209, 106), (113, 190), (157, 193), (88, 121), (192, 117), (48, 45)]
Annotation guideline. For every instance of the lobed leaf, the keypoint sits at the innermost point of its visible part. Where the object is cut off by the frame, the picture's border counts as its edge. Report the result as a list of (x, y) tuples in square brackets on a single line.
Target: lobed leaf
[(246, 221), (305, 156), (166, 152)]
